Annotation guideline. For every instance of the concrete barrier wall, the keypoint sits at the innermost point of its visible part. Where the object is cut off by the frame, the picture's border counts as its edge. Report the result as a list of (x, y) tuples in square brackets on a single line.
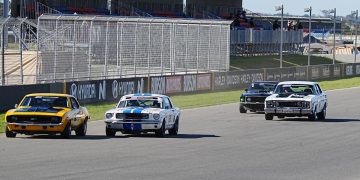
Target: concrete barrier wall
[(112, 89)]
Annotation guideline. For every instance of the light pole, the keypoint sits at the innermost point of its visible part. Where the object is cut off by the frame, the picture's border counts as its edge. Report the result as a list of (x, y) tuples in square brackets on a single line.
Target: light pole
[(281, 8), (356, 14), (334, 12), (309, 10)]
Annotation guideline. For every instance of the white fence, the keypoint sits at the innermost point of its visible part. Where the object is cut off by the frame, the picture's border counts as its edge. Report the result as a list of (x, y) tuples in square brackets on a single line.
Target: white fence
[(94, 47)]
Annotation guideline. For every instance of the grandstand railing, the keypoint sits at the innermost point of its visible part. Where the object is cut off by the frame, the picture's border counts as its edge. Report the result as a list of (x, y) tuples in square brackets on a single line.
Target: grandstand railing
[(251, 35)]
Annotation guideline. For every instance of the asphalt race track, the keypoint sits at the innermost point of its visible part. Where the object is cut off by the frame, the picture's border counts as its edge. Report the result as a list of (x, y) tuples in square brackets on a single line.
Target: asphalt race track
[(214, 143)]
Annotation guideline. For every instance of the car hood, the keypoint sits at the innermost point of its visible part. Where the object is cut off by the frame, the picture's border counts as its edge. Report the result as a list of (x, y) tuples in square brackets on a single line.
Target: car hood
[(291, 97), (256, 93), (135, 110), (37, 110)]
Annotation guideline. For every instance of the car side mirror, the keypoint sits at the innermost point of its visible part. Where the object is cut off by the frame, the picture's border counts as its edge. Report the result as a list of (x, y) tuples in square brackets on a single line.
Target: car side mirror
[(246, 90), (16, 106)]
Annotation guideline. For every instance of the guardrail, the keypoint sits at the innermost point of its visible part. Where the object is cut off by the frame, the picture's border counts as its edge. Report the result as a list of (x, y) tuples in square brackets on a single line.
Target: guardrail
[(113, 89)]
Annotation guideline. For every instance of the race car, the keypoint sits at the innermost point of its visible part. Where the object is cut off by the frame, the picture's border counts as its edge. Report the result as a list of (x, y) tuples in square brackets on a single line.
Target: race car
[(296, 99), (47, 113), (254, 97), (142, 113)]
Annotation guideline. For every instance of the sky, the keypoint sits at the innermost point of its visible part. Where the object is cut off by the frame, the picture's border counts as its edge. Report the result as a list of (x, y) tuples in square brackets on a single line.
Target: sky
[(296, 7)]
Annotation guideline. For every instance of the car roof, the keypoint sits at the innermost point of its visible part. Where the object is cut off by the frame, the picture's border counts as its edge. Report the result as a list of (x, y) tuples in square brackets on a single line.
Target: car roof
[(145, 95), (298, 82), (50, 94), (274, 82)]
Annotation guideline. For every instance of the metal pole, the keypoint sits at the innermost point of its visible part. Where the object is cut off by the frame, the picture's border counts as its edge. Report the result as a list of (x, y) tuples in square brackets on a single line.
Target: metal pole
[(309, 49), (148, 49), (117, 48), (90, 39), (136, 27), (55, 45), (121, 37), (161, 49), (74, 49), (334, 50), (197, 50), (3, 55), (281, 36), (356, 33), (186, 49), (209, 48), (106, 48), (21, 55)]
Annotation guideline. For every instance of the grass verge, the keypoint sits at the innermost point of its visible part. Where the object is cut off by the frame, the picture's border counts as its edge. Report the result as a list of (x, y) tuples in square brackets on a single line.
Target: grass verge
[(256, 62), (97, 110)]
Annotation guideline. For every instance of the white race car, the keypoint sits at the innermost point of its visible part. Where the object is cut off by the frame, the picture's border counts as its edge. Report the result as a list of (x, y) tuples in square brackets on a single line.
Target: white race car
[(137, 113), (296, 99)]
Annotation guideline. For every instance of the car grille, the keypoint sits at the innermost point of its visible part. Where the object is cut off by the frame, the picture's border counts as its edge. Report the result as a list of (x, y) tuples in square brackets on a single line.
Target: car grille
[(255, 99), (136, 116), (290, 104), (34, 119)]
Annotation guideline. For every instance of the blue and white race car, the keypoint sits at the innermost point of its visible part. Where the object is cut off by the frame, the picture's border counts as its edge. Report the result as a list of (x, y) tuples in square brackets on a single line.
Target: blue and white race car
[(137, 113)]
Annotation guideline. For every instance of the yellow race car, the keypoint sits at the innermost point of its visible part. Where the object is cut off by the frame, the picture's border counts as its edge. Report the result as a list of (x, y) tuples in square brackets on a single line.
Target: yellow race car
[(47, 113)]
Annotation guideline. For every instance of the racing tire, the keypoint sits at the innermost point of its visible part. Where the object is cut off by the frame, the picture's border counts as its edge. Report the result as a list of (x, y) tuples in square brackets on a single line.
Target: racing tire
[(269, 117), (110, 132), (242, 109), (9, 134), (81, 131), (313, 116), (322, 114), (66, 134), (161, 132), (175, 129)]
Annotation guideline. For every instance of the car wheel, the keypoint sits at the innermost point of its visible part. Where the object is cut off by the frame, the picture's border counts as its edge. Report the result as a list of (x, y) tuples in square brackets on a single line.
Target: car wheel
[(9, 134), (269, 117), (161, 132), (175, 129), (110, 132), (313, 116), (81, 131), (242, 109), (322, 114), (67, 131)]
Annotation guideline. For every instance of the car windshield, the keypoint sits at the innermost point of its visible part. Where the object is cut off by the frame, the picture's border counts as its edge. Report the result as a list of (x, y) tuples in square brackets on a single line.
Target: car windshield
[(152, 103), (45, 101), (294, 89), (262, 86)]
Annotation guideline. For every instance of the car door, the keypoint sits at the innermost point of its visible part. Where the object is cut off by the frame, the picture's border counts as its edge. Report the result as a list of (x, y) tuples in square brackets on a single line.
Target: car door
[(78, 115), (167, 113), (322, 97), (172, 112)]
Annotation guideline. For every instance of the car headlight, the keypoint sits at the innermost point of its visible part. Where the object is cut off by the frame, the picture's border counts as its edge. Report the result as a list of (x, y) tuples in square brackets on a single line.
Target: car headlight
[(242, 99), (269, 104), (156, 116), (109, 115), (248, 99)]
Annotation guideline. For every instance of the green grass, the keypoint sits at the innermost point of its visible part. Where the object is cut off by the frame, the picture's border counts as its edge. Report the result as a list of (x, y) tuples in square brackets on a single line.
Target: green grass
[(256, 62), (97, 110)]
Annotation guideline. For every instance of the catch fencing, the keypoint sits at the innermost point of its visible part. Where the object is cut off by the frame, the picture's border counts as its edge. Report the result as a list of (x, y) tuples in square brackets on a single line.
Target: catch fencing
[(74, 48)]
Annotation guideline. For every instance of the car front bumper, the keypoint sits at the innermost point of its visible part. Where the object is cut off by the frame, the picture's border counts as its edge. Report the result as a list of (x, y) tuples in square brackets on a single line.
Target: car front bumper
[(288, 111), (257, 106), (24, 128), (144, 125)]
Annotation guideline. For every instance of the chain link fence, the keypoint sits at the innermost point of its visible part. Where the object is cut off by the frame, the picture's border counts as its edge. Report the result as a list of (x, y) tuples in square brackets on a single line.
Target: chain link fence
[(96, 47)]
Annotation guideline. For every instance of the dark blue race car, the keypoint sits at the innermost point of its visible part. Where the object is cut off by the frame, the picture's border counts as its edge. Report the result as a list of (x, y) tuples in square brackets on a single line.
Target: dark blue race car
[(254, 97)]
